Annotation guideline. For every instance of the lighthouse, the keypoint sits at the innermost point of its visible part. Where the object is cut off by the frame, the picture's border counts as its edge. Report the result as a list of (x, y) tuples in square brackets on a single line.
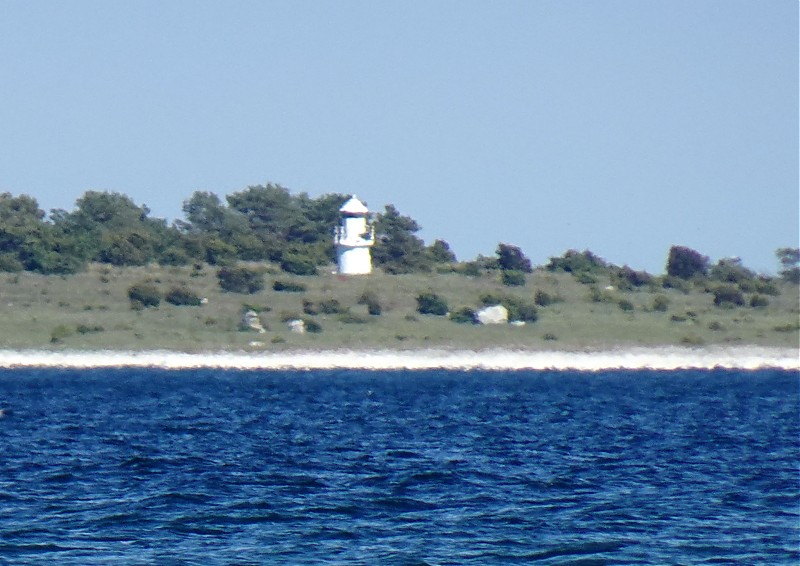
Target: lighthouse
[(354, 237)]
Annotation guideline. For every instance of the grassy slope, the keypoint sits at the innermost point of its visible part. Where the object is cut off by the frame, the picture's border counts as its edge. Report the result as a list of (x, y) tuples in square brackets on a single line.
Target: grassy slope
[(32, 306)]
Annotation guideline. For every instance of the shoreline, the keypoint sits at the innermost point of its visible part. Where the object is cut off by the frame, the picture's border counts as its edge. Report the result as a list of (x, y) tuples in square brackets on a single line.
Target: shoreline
[(630, 358)]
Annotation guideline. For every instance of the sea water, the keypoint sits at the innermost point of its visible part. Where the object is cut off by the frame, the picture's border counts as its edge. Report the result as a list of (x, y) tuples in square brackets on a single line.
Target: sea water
[(144, 466)]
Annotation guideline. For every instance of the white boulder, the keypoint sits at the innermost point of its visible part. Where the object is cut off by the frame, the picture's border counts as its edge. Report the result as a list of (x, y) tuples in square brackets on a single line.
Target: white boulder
[(250, 321), (297, 326), (496, 314)]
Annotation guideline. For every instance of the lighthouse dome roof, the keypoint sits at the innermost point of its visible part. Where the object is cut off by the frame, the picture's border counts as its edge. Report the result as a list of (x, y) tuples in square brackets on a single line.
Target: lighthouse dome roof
[(354, 206)]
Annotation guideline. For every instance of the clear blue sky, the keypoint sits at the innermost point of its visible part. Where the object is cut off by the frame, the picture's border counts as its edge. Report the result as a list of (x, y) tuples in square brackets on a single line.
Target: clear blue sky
[(619, 126)]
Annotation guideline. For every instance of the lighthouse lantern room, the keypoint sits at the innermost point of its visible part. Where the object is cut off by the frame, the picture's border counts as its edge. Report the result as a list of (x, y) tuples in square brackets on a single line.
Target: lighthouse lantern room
[(354, 238)]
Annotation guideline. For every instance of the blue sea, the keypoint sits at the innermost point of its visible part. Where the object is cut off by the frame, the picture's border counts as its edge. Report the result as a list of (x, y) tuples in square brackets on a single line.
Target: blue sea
[(143, 466)]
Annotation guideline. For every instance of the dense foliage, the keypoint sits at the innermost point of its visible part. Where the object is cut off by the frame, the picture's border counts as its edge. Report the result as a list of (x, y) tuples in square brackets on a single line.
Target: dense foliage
[(296, 232)]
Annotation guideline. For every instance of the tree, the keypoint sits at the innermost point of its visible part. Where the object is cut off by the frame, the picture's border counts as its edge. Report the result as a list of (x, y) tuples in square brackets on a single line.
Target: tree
[(686, 263), (397, 249), (574, 261), (511, 258), (440, 252), (790, 260)]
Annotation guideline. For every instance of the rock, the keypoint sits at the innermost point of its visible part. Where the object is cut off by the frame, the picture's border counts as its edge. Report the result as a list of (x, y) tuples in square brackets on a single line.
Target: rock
[(517, 323), (297, 326), (250, 321), (497, 314)]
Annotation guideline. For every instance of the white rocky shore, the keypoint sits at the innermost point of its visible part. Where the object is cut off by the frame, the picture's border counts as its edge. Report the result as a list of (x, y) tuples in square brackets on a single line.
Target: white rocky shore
[(660, 358)]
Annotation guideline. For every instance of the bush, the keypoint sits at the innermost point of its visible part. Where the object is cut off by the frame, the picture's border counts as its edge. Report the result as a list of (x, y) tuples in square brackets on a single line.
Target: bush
[(173, 256), (182, 296), (543, 298), (574, 261), (728, 295), (511, 258), (759, 301), (766, 286), (10, 263), (332, 306), (60, 332), (312, 326), (240, 279), (469, 268), (490, 299), (143, 295), (627, 278), (660, 303), (625, 305), (511, 278), (288, 287), (519, 309), (716, 326), (464, 315), (89, 328), (352, 318), (431, 303), (585, 278), (298, 264), (685, 263), (310, 308), (370, 299)]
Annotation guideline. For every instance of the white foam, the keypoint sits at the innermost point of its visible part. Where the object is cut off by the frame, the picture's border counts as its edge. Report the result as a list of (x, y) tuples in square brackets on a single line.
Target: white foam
[(661, 358)]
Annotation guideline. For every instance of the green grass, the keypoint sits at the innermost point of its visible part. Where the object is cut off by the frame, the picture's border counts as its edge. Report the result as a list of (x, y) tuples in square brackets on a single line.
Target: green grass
[(35, 308)]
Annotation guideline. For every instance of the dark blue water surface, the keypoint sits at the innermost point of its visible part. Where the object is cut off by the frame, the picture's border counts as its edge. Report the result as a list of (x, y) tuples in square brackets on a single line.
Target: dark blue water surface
[(212, 467)]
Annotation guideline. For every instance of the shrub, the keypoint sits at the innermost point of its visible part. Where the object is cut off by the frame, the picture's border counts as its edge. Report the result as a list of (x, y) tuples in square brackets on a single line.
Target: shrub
[(660, 303), (716, 326), (288, 287), (512, 278), (10, 263), (728, 295), (490, 299), (670, 282), (464, 315), (692, 340), (511, 258), (759, 301), (310, 308), (298, 264), (240, 279), (585, 278), (370, 299), (625, 305), (550, 337), (431, 303), (143, 295), (766, 286), (469, 268), (173, 256), (352, 318), (332, 306), (519, 309), (574, 261), (60, 332), (543, 298), (685, 263), (312, 326), (87, 328), (182, 296), (627, 278)]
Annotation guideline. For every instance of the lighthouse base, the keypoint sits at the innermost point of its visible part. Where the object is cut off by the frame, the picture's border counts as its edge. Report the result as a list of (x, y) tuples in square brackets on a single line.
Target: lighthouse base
[(353, 260)]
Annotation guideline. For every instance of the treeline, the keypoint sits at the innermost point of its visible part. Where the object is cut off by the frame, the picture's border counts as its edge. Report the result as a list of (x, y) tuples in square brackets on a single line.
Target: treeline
[(268, 223), (260, 223)]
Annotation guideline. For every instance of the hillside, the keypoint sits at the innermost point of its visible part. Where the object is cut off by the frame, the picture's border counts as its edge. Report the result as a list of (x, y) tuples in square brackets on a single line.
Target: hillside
[(92, 310)]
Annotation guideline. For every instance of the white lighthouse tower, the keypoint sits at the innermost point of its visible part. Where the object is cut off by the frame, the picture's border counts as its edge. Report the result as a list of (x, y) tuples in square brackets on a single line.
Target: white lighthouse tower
[(354, 238)]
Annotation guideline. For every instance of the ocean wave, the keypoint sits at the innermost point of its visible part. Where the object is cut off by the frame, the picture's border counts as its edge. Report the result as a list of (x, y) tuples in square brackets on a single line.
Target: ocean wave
[(659, 358)]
